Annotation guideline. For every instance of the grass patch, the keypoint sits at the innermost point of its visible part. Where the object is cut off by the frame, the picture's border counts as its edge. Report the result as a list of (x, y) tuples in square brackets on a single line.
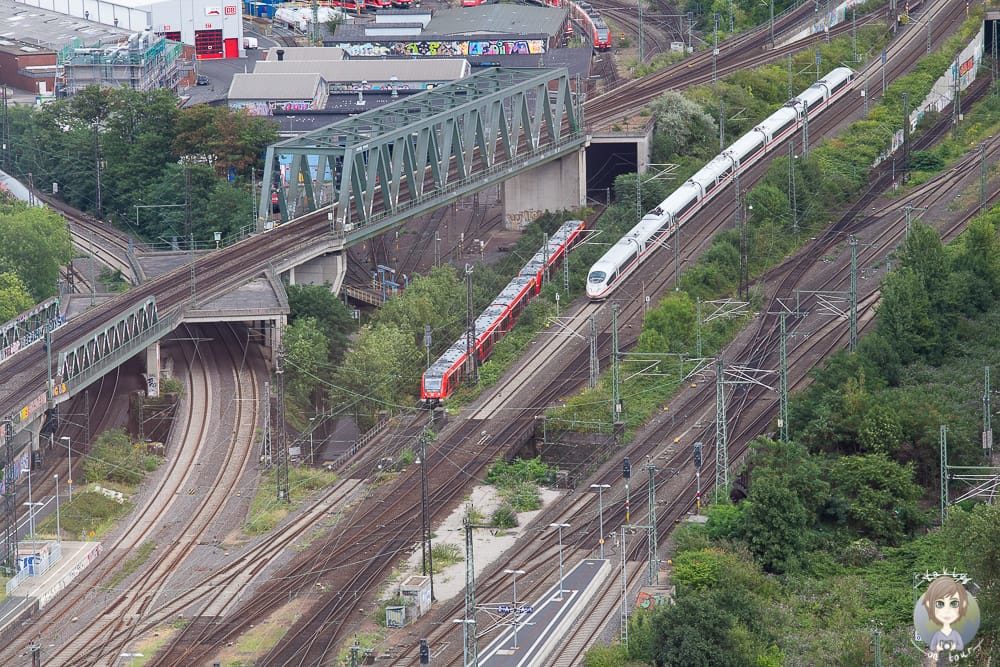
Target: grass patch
[(517, 482), (88, 516), (171, 385), (267, 511), (114, 280), (446, 555), (365, 641), (131, 565), (150, 645)]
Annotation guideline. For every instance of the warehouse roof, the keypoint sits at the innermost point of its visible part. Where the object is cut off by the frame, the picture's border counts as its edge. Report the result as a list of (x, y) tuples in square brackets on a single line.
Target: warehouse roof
[(442, 69), (498, 19), (306, 53), (274, 86), (51, 29)]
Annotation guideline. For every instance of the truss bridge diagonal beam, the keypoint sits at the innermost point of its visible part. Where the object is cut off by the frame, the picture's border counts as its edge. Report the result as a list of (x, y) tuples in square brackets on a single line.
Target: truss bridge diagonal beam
[(382, 166), (89, 358)]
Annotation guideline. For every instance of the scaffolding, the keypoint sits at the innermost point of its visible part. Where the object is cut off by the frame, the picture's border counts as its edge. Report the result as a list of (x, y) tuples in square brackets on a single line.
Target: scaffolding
[(144, 62)]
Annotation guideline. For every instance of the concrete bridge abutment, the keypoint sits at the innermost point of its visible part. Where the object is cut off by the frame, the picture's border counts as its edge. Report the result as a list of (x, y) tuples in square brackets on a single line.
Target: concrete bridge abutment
[(551, 186)]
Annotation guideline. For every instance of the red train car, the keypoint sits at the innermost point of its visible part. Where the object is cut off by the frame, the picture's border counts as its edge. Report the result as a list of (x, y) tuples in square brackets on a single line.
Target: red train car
[(590, 18), (443, 376)]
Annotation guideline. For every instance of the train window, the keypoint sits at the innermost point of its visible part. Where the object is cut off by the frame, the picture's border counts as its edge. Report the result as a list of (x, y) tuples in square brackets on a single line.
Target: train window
[(597, 277)]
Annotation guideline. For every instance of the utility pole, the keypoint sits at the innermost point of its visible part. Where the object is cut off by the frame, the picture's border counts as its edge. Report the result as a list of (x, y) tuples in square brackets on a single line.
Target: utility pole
[(744, 286), (715, 51), (545, 255), (627, 476), (854, 32), (426, 553), (783, 379), (470, 328), (943, 442), (470, 646), (97, 160), (722, 125), (616, 398), (9, 501), (790, 89), (987, 416), (771, 26), (906, 133), (697, 328), (982, 176), (721, 438), (284, 493), (853, 293), (5, 132), (642, 52), (793, 200), (805, 131), (956, 107), (266, 453), (595, 369), (654, 564), (697, 476)]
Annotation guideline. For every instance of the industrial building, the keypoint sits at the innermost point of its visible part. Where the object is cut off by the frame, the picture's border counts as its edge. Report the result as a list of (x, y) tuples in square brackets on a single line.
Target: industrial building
[(486, 30), (144, 61), (263, 94), (213, 27), (45, 52), (392, 76)]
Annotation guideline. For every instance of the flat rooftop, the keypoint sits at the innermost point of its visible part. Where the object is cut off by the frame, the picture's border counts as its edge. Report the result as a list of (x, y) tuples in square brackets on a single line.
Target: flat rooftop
[(274, 86), (304, 53), (438, 69), (499, 19), (52, 30)]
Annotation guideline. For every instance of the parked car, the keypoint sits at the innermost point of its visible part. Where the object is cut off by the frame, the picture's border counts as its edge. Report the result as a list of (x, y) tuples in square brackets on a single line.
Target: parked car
[(202, 80)]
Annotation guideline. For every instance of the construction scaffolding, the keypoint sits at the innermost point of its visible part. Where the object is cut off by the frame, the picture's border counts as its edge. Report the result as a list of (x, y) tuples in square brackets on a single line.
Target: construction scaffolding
[(145, 61)]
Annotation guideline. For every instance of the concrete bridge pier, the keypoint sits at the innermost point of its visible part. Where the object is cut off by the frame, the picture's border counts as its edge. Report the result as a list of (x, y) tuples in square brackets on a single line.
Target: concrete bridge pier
[(326, 269), (559, 184), (153, 370)]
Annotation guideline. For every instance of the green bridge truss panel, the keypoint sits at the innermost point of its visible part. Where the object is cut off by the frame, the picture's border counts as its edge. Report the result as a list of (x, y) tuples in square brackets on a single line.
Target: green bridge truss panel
[(89, 358), (375, 169)]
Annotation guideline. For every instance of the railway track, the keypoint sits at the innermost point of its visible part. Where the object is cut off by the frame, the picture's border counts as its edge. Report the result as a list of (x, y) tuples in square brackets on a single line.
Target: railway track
[(736, 53), (538, 556), (91, 645), (397, 534)]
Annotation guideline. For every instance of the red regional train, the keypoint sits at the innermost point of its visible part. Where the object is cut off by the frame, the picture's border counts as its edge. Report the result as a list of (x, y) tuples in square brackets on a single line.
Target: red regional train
[(590, 18), (445, 374)]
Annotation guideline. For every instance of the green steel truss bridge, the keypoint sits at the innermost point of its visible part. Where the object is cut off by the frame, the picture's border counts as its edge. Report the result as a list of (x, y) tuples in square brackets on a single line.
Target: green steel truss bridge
[(378, 168)]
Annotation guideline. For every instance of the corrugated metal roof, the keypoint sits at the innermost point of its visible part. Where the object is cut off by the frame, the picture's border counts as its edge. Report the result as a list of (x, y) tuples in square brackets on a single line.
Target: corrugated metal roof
[(306, 53), (438, 69), (498, 19), (274, 86), (54, 30)]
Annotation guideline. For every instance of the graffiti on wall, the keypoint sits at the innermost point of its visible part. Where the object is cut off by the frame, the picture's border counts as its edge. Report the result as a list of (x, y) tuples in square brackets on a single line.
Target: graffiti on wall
[(486, 47)]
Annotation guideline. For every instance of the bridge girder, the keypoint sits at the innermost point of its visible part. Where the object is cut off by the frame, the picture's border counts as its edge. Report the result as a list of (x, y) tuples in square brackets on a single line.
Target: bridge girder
[(377, 168)]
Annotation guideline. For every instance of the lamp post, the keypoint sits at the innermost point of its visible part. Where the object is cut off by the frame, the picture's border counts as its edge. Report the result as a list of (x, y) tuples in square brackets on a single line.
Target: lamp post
[(559, 527), (600, 510), (514, 574), (468, 626), (58, 527), (312, 454), (69, 454)]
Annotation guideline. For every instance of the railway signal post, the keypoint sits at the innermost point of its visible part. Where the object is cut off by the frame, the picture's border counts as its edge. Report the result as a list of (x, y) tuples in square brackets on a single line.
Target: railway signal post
[(600, 511)]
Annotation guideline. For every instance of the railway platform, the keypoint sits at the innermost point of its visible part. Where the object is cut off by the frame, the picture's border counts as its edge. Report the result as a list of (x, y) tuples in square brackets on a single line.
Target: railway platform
[(550, 617)]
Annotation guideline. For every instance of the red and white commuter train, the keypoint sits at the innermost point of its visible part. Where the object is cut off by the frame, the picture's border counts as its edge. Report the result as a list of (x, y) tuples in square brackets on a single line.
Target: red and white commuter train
[(445, 374)]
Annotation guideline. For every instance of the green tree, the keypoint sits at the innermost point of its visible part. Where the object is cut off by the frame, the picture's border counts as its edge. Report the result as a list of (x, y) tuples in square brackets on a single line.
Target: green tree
[(333, 317), (381, 371), (880, 495), (697, 632), (682, 126), (306, 359), (775, 525), (34, 243), (670, 327), (905, 316), (14, 297)]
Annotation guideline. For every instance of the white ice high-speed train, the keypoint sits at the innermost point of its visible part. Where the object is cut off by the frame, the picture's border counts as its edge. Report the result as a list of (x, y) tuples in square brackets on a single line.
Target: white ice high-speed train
[(625, 255)]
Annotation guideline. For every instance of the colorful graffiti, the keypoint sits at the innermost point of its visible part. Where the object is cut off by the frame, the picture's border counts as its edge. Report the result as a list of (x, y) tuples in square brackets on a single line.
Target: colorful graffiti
[(646, 600), (487, 47)]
